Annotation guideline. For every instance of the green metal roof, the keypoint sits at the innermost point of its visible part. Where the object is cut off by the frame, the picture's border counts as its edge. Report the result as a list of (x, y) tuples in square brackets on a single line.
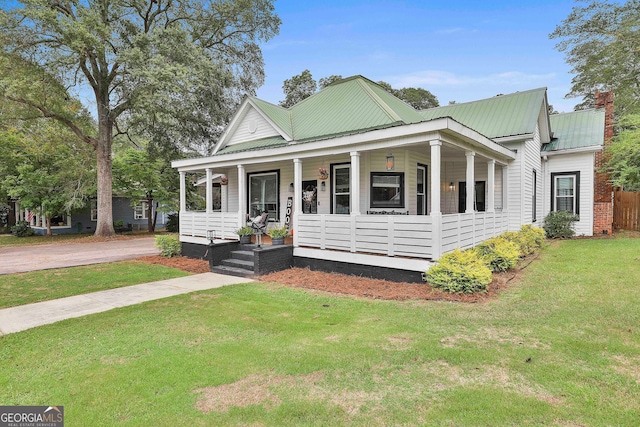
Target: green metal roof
[(257, 144), (500, 116), (578, 129)]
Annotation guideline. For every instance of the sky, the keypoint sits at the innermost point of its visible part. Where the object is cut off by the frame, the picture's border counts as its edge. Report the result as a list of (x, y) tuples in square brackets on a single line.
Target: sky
[(458, 50)]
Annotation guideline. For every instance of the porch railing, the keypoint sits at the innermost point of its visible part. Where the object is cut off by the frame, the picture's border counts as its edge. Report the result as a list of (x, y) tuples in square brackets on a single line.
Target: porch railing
[(196, 224), (406, 235), (468, 229)]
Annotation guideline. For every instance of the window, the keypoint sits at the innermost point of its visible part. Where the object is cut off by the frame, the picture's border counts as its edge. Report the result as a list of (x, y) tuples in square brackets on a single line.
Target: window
[(140, 211), (58, 221), (94, 210), (263, 194), (341, 182), (534, 200), (565, 192), (479, 202), (387, 190), (216, 195), (421, 189)]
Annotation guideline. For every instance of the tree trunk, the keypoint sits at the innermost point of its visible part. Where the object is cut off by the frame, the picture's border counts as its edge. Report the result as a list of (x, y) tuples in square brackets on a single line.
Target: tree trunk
[(104, 226), (150, 222), (47, 220)]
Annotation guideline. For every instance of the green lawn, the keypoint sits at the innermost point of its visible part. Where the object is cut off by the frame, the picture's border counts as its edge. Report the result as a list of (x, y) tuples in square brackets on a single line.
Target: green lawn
[(10, 240), (26, 288), (561, 347)]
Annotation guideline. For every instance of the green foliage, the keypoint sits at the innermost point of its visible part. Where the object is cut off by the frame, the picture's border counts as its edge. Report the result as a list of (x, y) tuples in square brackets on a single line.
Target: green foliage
[(601, 42), (533, 238), (22, 229), (499, 254), (298, 88), (244, 231), (173, 223), (418, 98), (460, 272), (623, 164), (278, 232), (559, 224), (118, 223), (169, 246)]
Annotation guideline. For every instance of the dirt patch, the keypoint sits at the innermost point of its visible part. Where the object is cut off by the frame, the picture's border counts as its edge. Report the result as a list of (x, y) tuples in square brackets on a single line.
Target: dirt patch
[(183, 263), (252, 390)]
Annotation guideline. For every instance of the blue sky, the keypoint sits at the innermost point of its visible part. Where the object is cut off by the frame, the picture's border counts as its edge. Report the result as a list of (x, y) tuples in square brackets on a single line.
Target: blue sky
[(458, 50)]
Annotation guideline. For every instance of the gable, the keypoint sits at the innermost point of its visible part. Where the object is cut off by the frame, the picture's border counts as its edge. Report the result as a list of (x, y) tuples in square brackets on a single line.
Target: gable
[(251, 126)]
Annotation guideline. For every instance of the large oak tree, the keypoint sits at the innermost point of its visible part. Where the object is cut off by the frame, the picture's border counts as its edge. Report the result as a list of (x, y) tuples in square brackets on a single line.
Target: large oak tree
[(163, 67)]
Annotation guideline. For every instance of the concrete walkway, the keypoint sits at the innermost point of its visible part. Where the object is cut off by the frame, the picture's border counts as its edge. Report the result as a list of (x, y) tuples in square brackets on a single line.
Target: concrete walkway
[(16, 319), (18, 259)]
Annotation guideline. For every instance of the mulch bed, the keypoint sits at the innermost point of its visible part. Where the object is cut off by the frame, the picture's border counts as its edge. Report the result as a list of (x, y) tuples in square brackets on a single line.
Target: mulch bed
[(357, 286)]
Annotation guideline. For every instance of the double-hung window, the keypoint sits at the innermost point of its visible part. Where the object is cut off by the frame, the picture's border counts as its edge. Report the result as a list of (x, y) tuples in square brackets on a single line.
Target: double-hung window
[(140, 210), (387, 190), (263, 194), (565, 192)]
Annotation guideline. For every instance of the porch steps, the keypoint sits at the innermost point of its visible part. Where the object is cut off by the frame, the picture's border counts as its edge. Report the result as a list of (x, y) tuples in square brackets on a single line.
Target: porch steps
[(240, 264)]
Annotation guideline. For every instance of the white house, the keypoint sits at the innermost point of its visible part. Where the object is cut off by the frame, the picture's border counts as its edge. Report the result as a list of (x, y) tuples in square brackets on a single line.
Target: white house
[(394, 195)]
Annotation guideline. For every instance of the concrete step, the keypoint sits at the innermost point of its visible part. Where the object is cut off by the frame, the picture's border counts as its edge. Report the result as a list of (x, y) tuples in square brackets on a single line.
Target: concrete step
[(242, 255), (238, 263), (233, 271)]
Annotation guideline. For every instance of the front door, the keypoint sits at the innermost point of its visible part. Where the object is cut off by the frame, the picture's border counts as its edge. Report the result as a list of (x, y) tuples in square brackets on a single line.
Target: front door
[(479, 202), (310, 197)]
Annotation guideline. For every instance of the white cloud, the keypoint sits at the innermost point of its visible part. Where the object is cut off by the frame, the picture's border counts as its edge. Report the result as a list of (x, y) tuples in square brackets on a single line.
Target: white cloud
[(448, 79)]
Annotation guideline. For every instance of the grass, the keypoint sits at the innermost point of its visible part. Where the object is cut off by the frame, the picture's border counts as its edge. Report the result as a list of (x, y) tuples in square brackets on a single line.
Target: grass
[(11, 240), (26, 288), (560, 348)]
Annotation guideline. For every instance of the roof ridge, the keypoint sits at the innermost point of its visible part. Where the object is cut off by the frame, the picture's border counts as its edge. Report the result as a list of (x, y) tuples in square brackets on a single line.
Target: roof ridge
[(489, 98), (385, 107)]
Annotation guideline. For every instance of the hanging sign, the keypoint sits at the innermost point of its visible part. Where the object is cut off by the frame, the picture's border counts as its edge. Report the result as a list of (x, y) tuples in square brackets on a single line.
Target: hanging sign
[(287, 219)]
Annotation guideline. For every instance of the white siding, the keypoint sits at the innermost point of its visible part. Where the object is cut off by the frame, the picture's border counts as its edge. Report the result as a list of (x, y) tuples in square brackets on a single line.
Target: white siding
[(252, 120), (584, 163), (532, 162), (456, 172), (515, 186)]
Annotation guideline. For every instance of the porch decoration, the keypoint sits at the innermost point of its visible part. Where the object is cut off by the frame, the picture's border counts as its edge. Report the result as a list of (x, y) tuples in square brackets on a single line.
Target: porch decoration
[(244, 233), (390, 162), (277, 235), (323, 173), (224, 180)]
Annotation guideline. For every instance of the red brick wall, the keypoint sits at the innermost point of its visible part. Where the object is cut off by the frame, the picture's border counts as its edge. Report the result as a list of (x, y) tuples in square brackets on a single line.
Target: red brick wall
[(603, 205)]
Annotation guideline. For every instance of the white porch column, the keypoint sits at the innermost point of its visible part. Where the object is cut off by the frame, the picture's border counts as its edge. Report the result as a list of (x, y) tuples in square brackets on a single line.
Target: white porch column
[(491, 184), (436, 210), (471, 181), (505, 188), (183, 192), (242, 197), (297, 198), (18, 212), (354, 189), (209, 192), (224, 198)]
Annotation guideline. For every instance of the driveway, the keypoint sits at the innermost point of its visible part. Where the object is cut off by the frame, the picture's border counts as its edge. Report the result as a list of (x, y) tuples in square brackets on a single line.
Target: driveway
[(18, 259)]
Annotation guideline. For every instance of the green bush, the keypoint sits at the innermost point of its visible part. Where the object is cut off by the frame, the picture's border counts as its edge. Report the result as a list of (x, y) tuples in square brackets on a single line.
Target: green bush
[(169, 246), (499, 254), (460, 272), (22, 229), (559, 224), (173, 223)]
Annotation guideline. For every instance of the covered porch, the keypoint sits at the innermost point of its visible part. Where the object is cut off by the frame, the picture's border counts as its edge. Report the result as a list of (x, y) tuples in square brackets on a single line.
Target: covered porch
[(388, 197)]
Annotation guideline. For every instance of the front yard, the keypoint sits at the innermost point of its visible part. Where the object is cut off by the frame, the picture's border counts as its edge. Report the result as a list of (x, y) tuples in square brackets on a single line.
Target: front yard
[(560, 347)]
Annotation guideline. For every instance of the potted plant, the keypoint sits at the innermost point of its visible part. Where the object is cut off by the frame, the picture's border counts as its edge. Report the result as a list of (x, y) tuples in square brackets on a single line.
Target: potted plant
[(245, 234), (277, 235)]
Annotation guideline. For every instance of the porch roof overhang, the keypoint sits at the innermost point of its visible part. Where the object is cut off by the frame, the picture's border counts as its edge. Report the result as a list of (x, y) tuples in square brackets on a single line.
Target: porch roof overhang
[(444, 129)]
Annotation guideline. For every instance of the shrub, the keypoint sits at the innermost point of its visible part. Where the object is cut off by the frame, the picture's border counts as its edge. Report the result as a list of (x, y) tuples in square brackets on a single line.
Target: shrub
[(173, 223), (499, 254), (531, 238), (559, 224), (22, 229), (460, 272), (169, 246)]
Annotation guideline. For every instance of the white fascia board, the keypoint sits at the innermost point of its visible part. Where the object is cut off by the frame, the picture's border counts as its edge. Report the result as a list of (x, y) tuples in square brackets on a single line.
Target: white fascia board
[(514, 138), (590, 149), (388, 138), (282, 133)]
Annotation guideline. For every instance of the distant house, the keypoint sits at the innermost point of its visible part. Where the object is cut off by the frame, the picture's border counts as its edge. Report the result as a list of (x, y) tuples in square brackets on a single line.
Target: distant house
[(363, 179), (85, 220)]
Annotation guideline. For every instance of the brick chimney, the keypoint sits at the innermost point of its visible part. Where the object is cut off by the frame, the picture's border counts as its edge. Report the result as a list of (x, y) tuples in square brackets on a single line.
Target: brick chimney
[(603, 190)]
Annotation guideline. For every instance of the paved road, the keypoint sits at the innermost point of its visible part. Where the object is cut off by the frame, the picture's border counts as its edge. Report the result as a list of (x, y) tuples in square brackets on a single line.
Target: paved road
[(18, 259)]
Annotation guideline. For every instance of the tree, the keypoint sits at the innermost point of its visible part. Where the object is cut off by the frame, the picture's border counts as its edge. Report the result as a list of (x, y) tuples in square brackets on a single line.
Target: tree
[(623, 164), (46, 169), (298, 88), (139, 175), (147, 63), (601, 41), (418, 98), (326, 81)]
